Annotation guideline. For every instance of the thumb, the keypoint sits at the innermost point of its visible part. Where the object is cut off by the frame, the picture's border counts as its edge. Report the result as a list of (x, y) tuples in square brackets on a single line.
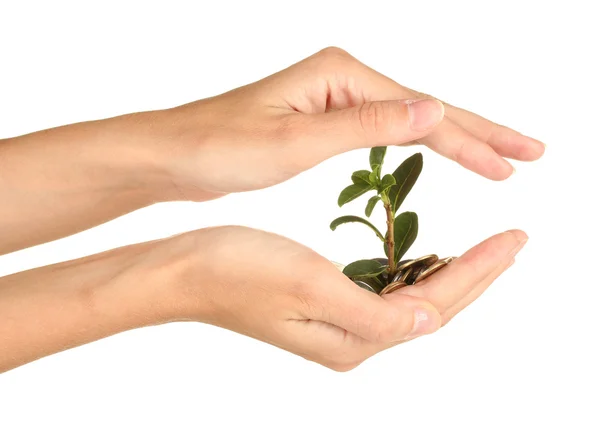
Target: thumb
[(387, 319), (378, 123)]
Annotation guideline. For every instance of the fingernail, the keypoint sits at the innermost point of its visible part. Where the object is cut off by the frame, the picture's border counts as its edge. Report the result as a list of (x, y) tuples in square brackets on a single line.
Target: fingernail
[(519, 246), (426, 321), (423, 114)]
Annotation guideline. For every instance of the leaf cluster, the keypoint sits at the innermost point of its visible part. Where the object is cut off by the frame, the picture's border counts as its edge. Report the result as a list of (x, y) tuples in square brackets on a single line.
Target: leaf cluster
[(390, 190)]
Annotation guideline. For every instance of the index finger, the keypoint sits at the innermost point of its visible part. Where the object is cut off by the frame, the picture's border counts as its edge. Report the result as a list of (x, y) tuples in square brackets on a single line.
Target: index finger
[(450, 285), (472, 141)]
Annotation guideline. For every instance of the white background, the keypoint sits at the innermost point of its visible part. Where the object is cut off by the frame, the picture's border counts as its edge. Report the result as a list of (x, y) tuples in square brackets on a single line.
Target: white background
[(526, 350)]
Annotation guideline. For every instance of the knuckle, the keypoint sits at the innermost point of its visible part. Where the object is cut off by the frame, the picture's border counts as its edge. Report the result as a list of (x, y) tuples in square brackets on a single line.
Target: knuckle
[(383, 331), (370, 116), (343, 367), (331, 59), (377, 118), (333, 53), (459, 153), (342, 361)]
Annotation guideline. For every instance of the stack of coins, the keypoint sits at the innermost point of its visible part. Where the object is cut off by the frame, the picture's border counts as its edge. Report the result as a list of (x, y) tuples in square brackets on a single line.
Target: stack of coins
[(408, 272)]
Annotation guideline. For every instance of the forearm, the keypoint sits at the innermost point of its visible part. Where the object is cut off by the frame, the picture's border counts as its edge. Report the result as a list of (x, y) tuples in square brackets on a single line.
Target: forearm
[(49, 309), (60, 181)]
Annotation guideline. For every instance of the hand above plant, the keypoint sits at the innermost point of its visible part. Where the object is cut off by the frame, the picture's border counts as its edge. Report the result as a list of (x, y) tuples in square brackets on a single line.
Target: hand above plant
[(249, 138)]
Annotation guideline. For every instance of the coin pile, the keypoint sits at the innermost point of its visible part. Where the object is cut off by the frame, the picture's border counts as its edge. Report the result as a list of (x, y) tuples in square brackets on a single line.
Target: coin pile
[(408, 272)]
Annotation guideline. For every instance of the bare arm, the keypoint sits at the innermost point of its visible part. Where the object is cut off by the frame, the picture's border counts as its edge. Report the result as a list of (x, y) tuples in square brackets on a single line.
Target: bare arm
[(249, 281), (59, 181), (49, 309)]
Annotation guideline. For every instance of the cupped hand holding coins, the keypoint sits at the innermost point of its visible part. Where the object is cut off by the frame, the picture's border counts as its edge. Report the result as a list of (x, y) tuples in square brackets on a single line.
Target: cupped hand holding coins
[(302, 303), (252, 282)]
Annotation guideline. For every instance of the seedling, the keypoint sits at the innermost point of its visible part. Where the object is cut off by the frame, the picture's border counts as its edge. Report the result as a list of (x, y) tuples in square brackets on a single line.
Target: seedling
[(401, 229)]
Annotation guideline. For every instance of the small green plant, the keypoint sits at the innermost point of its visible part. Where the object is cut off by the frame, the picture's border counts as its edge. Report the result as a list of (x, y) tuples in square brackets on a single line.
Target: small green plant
[(401, 230)]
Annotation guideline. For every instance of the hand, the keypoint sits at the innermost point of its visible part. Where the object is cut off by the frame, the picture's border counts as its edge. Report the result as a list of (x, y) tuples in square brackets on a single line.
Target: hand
[(252, 282), (264, 133), (280, 292), (249, 138)]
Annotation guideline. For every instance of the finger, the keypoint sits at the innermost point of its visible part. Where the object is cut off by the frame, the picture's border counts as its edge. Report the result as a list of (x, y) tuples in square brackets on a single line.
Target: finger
[(454, 142), (505, 141), (451, 284), (368, 349), (393, 320), (459, 135), (378, 123), (373, 318), (476, 292)]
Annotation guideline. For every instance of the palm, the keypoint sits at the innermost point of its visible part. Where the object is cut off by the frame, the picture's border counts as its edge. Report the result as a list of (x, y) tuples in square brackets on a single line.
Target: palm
[(283, 293)]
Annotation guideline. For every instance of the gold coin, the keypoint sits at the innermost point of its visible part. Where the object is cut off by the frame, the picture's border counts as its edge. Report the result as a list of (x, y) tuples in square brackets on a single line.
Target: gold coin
[(406, 274), (415, 263), (431, 270), (392, 287), (402, 275), (415, 273), (426, 260), (399, 281), (420, 264), (404, 265), (364, 285)]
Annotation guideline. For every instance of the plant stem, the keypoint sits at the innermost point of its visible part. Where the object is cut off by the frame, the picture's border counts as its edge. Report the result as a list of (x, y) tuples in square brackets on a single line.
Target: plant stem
[(390, 235)]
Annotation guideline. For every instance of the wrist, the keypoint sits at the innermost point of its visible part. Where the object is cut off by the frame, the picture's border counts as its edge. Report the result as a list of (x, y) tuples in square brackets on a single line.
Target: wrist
[(72, 303), (164, 144), (170, 275), (139, 149), (183, 272)]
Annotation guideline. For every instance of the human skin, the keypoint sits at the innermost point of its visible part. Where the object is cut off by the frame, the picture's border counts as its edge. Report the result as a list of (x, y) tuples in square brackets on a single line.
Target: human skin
[(270, 288), (60, 181)]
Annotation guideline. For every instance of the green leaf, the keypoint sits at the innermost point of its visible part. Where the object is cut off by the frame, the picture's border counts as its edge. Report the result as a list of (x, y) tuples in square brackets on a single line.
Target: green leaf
[(376, 157), (371, 204), (387, 181), (351, 218), (352, 192), (406, 228), (406, 175), (374, 178), (366, 268), (361, 177)]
